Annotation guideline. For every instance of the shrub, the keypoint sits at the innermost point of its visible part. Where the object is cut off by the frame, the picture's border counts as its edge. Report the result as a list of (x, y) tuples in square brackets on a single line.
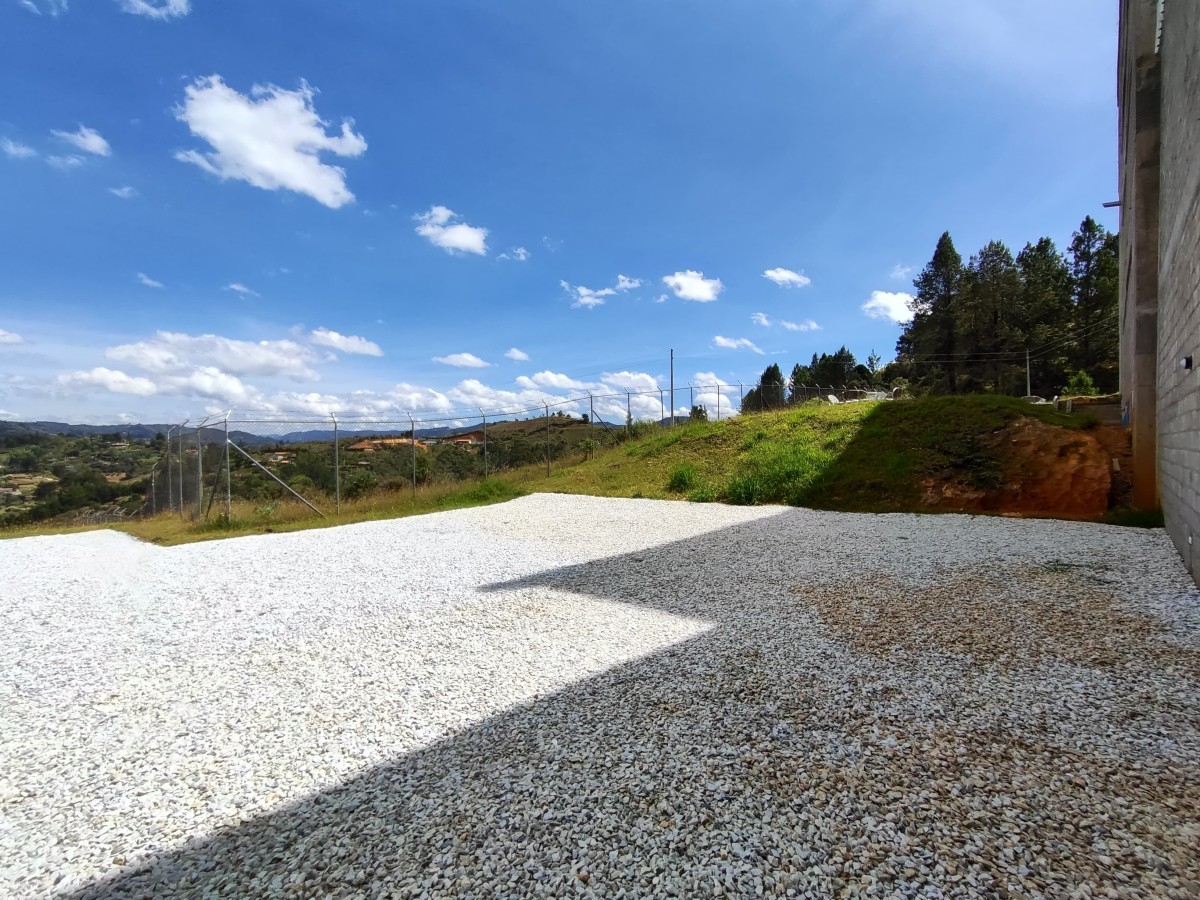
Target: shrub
[(703, 494), (1081, 385), (744, 490), (683, 478)]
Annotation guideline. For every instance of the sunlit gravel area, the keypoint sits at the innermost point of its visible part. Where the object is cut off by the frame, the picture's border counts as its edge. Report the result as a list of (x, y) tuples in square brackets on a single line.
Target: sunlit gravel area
[(576, 696)]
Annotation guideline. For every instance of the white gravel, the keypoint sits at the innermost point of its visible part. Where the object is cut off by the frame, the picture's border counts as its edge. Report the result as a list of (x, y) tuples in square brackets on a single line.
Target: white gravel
[(575, 695)]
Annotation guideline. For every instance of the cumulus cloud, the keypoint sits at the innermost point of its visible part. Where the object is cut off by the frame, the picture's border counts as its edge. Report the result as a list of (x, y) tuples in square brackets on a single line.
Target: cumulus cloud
[(887, 305), (157, 9), (112, 380), (764, 320), (10, 337), (735, 343), (462, 360), (145, 279), (271, 138), (345, 342), (555, 380), (900, 273), (179, 354), (806, 325), (439, 227), (690, 285), (65, 163), (238, 288), (787, 278), (518, 254), (587, 298), (517, 355), (85, 139), (15, 150), (715, 394)]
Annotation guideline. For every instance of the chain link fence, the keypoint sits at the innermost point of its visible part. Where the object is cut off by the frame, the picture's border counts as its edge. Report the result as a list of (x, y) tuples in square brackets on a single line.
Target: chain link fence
[(324, 460)]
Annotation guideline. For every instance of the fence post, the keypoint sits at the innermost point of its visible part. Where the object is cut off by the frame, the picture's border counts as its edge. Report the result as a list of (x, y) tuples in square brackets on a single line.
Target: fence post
[(185, 421), (718, 402), (662, 407), (412, 430), (741, 399), (591, 425), (628, 413), (547, 408), (691, 399), (228, 483), (200, 469), (170, 476), (337, 468), (485, 460)]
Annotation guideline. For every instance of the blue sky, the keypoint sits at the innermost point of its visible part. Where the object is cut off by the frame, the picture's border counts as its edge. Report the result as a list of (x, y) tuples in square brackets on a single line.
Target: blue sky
[(442, 204)]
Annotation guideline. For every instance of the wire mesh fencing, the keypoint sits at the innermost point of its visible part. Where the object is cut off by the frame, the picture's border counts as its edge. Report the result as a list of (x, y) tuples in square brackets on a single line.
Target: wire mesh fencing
[(324, 460)]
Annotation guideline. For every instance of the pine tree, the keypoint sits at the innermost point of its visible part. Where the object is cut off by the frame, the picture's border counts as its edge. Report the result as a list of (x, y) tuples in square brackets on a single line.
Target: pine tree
[(930, 340), (1095, 276), (1045, 314)]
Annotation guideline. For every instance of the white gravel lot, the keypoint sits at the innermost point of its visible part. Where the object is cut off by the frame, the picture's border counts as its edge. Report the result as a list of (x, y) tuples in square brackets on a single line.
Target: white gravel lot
[(576, 695)]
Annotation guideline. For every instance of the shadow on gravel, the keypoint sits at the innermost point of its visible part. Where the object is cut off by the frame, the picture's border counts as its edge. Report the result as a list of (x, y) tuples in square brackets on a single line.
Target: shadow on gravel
[(759, 755)]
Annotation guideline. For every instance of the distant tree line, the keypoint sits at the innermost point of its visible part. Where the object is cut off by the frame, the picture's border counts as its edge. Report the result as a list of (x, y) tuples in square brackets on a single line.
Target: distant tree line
[(972, 324)]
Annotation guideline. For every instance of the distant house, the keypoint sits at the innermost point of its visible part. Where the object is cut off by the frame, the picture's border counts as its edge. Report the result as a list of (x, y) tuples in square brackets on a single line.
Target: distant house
[(370, 445), (467, 439)]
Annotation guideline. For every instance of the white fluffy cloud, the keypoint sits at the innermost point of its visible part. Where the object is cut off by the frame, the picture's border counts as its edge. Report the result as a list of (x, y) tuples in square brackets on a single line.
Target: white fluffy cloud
[(462, 360), (271, 139), (439, 227), (112, 380), (587, 298), (10, 337), (177, 354), (887, 305), (86, 139), (517, 355), (899, 272), (157, 9), (66, 163), (125, 193), (16, 150), (555, 380), (347, 343), (719, 398), (238, 288), (806, 325), (145, 279), (735, 343), (690, 285), (764, 320), (787, 278), (518, 254)]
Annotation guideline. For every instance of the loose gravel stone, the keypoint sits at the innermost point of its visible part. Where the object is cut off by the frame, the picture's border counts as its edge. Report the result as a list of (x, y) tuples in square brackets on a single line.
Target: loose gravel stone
[(575, 696)]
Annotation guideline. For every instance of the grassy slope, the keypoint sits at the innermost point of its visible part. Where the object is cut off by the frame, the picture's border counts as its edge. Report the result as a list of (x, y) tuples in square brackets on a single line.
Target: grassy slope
[(852, 456), (860, 456)]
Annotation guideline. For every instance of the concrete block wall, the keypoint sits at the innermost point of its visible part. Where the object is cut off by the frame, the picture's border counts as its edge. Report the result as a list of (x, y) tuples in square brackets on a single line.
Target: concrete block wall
[(1179, 279)]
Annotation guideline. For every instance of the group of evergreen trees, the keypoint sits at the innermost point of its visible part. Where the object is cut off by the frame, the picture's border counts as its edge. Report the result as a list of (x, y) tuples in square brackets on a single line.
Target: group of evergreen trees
[(972, 324)]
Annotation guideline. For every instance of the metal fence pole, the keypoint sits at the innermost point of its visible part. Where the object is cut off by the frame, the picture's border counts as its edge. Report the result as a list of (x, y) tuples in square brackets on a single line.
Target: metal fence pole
[(228, 482), (337, 468), (718, 403), (482, 415), (412, 430), (547, 408), (628, 413), (592, 424), (200, 470), (662, 407), (741, 398), (185, 421), (170, 476), (691, 399)]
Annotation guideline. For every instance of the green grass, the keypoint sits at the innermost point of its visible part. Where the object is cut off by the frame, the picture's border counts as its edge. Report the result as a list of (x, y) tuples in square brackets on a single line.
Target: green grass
[(859, 456)]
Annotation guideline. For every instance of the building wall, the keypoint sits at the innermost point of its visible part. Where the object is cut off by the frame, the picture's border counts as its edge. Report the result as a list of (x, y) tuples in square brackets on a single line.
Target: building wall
[(1179, 278)]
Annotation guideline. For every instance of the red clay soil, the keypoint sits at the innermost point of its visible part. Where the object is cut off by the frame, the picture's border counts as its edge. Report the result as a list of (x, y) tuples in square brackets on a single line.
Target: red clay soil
[(1047, 471)]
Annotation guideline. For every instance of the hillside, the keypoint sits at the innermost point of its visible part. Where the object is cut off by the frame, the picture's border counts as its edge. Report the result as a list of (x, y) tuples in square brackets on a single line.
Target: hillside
[(978, 453)]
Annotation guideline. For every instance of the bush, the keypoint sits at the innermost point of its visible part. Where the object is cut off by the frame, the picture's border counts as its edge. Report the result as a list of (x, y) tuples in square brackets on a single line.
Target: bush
[(703, 494), (683, 478), (1081, 385), (744, 490), (358, 485)]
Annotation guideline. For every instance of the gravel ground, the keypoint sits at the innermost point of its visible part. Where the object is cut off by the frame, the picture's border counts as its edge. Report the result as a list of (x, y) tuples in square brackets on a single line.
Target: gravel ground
[(582, 696)]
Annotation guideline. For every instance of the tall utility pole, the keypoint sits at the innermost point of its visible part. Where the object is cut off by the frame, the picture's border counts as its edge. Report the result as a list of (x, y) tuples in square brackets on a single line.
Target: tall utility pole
[(1028, 388), (672, 388)]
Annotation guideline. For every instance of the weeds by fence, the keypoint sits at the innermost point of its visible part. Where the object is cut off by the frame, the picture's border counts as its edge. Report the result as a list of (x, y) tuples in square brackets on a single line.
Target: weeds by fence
[(323, 460)]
